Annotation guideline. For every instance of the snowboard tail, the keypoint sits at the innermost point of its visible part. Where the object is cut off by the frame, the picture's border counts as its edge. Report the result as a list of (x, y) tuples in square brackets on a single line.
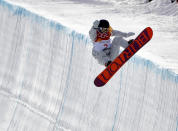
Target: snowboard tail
[(137, 44)]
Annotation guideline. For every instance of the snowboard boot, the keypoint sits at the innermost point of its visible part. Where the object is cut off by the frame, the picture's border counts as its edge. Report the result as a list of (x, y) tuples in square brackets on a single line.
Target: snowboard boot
[(130, 41), (108, 63)]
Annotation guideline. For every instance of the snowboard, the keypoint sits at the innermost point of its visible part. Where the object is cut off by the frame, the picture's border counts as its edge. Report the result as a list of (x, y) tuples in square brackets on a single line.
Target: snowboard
[(119, 61)]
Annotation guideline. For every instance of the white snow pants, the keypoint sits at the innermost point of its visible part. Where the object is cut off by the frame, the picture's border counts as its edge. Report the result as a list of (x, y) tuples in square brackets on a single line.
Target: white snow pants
[(111, 53)]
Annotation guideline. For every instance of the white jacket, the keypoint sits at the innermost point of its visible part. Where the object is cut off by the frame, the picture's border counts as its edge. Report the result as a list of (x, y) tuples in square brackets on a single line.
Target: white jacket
[(99, 46)]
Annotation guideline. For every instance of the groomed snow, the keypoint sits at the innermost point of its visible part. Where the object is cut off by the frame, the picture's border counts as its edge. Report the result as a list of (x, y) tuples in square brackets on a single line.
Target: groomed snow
[(124, 15), (47, 70)]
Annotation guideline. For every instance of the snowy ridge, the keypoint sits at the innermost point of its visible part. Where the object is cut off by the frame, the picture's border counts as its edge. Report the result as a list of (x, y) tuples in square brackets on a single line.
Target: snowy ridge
[(47, 73), (161, 7), (164, 7)]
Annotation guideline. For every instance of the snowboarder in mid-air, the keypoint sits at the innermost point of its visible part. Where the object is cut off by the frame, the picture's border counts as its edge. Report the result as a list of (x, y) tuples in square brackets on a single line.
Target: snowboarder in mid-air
[(106, 50)]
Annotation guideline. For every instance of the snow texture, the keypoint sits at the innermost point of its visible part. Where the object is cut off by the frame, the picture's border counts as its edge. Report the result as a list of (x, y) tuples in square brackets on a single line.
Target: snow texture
[(46, 82)]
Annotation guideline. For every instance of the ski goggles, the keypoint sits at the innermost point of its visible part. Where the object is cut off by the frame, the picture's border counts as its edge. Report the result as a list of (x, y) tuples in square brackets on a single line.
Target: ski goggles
[(103, 30)]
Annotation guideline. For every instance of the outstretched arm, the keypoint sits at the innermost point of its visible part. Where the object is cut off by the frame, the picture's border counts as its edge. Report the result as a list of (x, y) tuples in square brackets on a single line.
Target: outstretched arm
[(122, 34)]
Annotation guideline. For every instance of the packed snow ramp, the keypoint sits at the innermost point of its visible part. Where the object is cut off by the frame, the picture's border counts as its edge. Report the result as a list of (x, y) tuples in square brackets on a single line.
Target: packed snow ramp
[(46, 82)]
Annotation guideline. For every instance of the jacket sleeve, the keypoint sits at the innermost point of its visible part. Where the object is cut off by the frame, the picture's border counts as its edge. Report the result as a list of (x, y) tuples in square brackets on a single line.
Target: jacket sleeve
[(92, 34), (119, 33)]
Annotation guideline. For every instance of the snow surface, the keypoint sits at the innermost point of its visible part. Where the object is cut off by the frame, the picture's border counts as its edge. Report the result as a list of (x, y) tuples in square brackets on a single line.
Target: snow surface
[(47, 71), (124, 15)]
